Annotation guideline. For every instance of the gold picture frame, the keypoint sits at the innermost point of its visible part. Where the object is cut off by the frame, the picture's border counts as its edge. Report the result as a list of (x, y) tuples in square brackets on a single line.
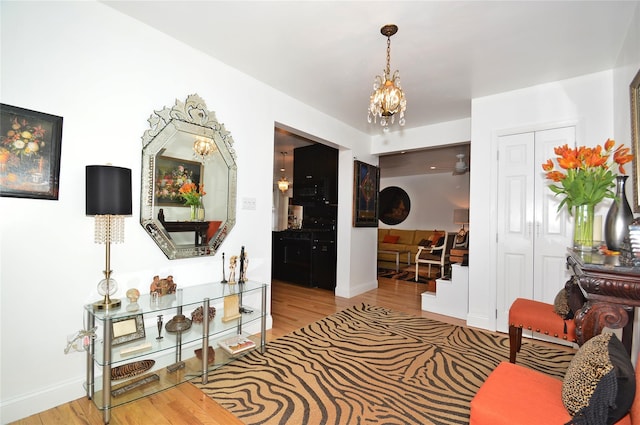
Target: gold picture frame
[(634, 95)]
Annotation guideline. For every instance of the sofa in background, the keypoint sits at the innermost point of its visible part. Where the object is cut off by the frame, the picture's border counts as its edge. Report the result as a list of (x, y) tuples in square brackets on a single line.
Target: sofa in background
[(404, 240)]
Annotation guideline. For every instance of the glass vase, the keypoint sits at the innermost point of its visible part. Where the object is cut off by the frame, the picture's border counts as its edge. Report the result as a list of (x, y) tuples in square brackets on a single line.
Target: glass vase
[(619, 217), (200, 212), (583, 230), (193, 214)]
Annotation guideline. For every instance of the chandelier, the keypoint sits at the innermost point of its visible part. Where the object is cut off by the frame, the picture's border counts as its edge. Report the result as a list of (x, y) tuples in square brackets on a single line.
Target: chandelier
[(283, 183), (203, 147), (387, 98)]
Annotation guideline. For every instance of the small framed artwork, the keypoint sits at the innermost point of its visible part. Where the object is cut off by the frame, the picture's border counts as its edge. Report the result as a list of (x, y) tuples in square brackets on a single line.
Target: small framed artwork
[(29, 153), (394, 205), (366, 183), (127, 329), (171, 174)]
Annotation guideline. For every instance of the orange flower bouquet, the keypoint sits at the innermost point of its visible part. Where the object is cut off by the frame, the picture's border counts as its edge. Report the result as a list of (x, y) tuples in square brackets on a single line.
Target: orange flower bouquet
[(584, 176), (193, 197), (190, 194)]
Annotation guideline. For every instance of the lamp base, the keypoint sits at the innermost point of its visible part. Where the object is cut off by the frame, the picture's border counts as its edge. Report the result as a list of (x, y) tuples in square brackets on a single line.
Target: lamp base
[(106, 304)]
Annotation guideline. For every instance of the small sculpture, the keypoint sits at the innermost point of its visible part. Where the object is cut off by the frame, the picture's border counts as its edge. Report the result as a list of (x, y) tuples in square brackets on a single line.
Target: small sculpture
[(133, 294), (232, 268), (224, 279), (163, 286), (159, 327)]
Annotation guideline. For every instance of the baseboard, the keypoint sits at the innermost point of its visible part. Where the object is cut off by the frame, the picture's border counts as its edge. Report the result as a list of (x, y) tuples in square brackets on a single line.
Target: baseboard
[(352, 291), (47, 398)]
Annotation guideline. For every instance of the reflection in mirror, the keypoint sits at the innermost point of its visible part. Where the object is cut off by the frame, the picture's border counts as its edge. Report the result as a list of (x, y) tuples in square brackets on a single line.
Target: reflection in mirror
[(186, 146)]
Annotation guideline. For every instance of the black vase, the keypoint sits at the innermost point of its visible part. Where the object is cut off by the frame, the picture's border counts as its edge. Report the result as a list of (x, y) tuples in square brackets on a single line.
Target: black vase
[(619, 217)]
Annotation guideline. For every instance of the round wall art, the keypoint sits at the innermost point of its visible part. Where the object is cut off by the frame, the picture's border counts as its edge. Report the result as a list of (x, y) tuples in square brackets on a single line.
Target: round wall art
[(394, 205)]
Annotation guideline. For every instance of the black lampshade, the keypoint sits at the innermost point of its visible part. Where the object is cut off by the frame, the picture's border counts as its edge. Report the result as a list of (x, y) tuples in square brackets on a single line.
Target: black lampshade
[(108, 190)]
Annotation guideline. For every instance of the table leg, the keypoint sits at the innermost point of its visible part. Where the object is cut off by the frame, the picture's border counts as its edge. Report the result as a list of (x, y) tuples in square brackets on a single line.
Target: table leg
[(397, 262)]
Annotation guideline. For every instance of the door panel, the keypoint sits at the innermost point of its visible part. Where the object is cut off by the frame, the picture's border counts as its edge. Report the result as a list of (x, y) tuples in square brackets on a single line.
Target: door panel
[(515, 222), (555, 228), (533, 235)]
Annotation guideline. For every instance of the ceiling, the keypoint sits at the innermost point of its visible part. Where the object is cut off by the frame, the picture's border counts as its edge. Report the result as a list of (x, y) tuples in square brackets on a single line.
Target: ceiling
[(327, 53)]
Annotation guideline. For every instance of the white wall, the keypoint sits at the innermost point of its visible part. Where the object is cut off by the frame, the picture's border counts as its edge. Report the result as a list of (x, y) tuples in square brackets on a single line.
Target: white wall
[(433, 198), (585, 101), (105, 74)]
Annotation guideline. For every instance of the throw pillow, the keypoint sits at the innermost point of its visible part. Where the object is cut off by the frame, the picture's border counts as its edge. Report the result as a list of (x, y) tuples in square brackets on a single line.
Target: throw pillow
[(391, 238), (425, 242), (434, 238), (561, 305), (599, 385)]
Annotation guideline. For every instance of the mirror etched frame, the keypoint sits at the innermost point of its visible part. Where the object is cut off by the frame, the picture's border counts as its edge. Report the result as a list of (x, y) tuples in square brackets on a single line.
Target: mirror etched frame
[(192, 118), (634, 95)]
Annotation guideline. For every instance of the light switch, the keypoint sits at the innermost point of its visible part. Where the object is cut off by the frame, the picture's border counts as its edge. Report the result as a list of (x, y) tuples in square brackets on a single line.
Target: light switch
[(248, 203)]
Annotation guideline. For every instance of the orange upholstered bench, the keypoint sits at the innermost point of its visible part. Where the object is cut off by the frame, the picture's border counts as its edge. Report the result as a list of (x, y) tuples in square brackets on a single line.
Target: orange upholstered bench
[(538, 317), (513, 394)]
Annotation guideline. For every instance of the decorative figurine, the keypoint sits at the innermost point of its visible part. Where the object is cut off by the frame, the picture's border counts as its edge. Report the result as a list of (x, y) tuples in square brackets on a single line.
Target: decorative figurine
[(243, 269), (159, 327), (232, 269), (133, 294), (163, 286), (224, 279), (240, 274)]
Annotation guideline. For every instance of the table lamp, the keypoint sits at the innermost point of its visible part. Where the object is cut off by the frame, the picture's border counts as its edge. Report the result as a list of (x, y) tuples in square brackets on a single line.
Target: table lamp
[(461, 216), (108, 198)]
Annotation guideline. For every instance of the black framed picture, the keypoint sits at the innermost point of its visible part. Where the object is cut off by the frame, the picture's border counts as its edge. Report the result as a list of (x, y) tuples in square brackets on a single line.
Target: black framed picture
[(171, 174), (29, 153), (394, 205), (366, 184)]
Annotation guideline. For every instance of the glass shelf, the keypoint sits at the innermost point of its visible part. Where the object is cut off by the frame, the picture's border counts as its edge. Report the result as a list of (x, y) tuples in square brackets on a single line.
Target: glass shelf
[(143, 343)]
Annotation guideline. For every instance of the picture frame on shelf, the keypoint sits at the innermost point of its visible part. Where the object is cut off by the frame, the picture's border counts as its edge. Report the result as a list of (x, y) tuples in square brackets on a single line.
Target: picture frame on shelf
[(127, 329), (366, 184), (30, 148), (634, 97), (171, 174)]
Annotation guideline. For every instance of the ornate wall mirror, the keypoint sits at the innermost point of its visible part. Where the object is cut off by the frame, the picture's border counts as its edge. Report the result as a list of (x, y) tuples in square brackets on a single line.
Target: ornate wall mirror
[(634, 93), (186, 144)]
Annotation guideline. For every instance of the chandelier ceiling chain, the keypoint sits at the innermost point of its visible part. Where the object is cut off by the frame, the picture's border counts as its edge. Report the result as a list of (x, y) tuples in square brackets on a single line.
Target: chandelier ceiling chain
[(387, 98)]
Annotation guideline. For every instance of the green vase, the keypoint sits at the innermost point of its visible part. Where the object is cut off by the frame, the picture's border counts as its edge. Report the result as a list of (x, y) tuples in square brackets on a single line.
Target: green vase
[(193, 213), (583, 230)]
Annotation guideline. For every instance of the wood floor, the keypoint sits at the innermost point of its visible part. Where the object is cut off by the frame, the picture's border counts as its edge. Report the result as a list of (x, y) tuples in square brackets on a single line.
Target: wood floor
[(292, 307)]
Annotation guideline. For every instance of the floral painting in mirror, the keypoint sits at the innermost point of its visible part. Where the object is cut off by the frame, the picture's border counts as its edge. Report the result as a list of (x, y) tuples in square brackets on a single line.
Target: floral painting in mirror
[(171, 175), (634, 93), (29, 153)]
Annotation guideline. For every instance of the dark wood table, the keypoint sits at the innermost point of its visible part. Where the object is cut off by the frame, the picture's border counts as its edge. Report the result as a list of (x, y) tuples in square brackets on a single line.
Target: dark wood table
[(199, 227), (612, 292)]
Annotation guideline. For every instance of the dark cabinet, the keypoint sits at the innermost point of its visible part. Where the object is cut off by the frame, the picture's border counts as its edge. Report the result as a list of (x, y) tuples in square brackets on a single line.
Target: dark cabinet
[(305, 257), (292, 257), (315, 175)]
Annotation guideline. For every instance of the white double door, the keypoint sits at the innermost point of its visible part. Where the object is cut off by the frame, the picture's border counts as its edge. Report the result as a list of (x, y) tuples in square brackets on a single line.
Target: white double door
[(533, 235)]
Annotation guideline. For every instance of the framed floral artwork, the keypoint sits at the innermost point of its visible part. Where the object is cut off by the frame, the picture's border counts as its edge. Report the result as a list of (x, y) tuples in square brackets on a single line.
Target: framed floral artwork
[(366, 183), (171, 174), (30, 144)]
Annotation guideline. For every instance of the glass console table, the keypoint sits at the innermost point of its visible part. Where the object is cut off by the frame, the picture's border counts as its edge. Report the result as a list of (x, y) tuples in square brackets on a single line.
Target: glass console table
[(612, 291), (139, 357)]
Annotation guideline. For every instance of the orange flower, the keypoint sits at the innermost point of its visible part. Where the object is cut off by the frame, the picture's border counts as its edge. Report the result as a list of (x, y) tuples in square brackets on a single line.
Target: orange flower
[(609, 144), (548, 166), (556, 176), (589, 177)]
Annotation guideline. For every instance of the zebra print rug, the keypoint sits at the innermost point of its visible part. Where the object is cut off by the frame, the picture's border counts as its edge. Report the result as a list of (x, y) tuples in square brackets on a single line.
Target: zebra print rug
[(370, 365)]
